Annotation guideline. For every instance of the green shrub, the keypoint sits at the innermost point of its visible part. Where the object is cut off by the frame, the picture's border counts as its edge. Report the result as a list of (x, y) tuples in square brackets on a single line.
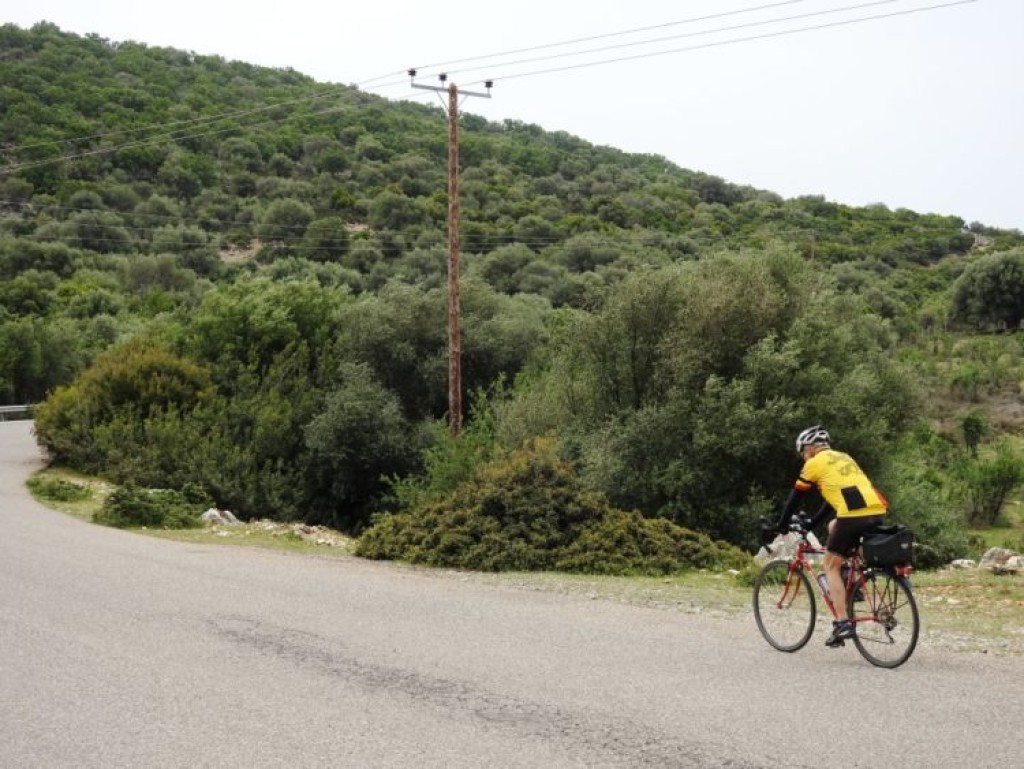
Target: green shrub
[(59, 490), (989, 481), (126, 383), (131, 506), (527, 512), (449, 461), (939, 534), (974, 426)]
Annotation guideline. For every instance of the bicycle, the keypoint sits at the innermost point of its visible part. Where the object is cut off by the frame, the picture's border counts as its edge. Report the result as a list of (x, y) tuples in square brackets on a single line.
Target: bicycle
[(879, 601)]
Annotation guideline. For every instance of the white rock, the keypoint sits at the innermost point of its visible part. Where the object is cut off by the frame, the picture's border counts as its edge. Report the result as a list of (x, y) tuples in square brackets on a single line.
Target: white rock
[(999, 560), (784, 546), (995, 556), (223, 517)]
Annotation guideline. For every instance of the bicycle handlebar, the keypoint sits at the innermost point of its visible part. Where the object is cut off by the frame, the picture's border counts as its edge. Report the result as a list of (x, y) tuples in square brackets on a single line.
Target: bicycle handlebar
[(798, 524)]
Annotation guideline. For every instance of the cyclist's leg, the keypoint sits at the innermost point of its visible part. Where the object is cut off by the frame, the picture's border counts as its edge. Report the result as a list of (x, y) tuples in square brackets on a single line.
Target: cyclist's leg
[(831, 565), (844, 535)]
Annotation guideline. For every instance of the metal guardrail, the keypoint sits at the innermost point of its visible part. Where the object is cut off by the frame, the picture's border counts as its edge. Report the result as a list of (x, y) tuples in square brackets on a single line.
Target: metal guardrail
[(16, 412)]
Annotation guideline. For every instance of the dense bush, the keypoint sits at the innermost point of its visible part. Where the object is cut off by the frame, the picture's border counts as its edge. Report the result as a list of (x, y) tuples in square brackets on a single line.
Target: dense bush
[(989, 479), (131, 506), (528, 511), (990, 293), (124, 386)]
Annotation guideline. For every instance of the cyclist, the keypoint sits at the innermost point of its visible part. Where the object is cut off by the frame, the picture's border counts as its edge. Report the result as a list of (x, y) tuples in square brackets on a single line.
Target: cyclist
[(857, 504)]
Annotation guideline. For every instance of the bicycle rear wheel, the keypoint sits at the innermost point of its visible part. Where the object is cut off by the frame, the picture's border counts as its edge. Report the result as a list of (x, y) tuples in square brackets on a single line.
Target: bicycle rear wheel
[(784, 606), (886, 622)]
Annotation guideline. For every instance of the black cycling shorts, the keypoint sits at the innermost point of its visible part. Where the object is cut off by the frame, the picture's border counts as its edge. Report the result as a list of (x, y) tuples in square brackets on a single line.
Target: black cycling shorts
[(845, 535)]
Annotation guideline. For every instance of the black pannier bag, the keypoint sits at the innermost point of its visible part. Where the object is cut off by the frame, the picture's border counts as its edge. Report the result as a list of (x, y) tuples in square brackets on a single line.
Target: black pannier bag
[(891, 545)]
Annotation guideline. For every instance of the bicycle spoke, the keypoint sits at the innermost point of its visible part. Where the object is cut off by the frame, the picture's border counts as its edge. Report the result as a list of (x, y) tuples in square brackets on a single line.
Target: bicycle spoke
[(887, 632)]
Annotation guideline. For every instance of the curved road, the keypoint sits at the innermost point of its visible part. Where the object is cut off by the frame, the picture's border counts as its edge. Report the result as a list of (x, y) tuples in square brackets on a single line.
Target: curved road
[(119, 650)]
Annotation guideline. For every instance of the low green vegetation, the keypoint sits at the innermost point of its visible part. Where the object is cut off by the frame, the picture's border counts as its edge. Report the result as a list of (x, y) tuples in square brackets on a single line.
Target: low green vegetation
[(132, 507), (528, 511), (51, 489), (70, 491)]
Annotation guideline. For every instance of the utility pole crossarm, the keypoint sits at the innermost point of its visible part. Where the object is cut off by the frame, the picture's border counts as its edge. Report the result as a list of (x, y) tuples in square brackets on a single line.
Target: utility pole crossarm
[(488, 84), (461, 92)]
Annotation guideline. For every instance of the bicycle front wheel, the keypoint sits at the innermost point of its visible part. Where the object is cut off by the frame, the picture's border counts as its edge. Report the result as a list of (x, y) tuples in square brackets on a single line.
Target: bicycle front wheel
[(886, 623), (784, 606)]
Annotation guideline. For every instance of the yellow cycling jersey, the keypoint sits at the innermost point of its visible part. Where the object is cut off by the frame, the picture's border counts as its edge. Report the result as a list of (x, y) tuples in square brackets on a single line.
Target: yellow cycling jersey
[(842, 483)]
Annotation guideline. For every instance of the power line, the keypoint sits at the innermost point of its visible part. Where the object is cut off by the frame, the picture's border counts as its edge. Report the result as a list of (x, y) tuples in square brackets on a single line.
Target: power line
[(605, 35), (716, 30), (700, 33), (543, 46), (734, 41)]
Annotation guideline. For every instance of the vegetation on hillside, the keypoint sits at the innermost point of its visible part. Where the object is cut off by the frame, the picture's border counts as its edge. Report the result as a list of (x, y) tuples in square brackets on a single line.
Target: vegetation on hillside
[(231, 279)]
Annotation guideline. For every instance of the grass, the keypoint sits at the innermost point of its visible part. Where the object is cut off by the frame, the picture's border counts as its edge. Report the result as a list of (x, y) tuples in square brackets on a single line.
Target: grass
[(961, 609), (972, 609), (271, 535), (49, 487), (1007, 532)]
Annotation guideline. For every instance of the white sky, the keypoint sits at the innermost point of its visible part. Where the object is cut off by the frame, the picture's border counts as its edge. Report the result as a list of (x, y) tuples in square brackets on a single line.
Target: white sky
[(923, 111)]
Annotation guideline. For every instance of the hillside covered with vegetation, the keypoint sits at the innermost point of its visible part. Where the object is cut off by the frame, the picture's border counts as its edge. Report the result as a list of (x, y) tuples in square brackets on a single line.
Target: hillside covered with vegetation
[(232, 279)]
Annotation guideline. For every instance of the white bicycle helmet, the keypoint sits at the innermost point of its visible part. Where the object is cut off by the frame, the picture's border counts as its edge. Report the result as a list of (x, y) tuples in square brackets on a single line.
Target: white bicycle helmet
[(810, 437)]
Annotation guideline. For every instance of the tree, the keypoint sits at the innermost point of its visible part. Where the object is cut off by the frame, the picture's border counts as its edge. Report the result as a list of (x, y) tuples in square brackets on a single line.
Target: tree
[(357, 440), (101, 231), (284, 222), (326, 240), (36, 356), (990, 293), (989, 481), (138, 378), (190, 244), (974, 427), (252, 321), (394, 211), (502, 267)]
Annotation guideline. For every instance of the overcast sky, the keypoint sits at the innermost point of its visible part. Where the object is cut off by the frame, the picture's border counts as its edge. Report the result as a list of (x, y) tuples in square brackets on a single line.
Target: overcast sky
[(920, 110)]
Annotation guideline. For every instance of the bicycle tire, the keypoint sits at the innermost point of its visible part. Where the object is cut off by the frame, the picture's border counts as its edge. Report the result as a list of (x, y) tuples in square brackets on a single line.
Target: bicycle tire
[(886, 622), (784, 606)]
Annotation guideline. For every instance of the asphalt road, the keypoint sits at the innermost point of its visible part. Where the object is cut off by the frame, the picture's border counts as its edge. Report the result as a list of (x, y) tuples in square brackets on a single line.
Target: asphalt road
[(119, 650)]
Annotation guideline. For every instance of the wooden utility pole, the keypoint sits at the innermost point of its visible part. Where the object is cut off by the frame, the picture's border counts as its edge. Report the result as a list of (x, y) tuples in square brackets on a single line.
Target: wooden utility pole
[(454, 313)]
